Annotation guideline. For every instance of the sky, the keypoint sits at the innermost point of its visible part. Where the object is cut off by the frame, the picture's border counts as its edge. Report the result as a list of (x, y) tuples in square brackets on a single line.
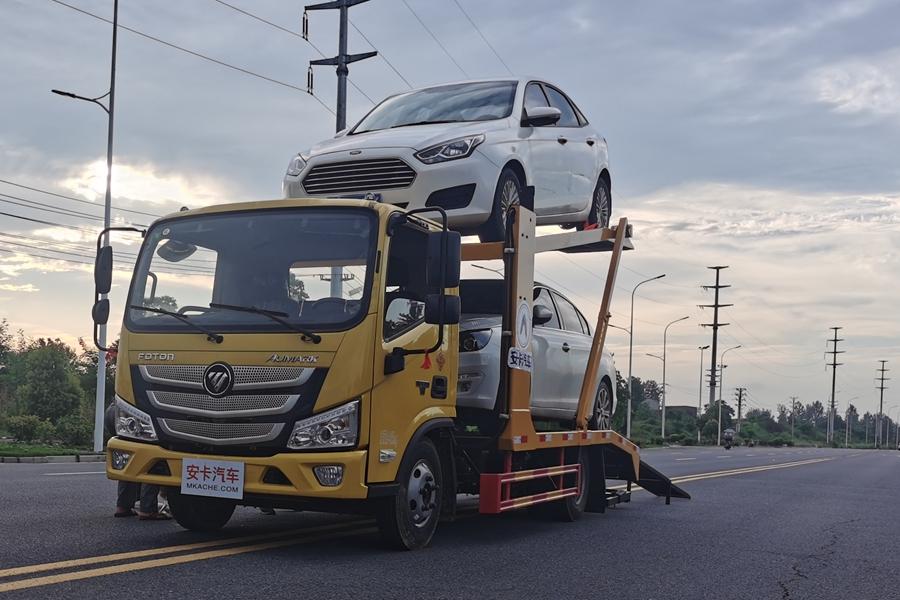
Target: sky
[(757, 134)]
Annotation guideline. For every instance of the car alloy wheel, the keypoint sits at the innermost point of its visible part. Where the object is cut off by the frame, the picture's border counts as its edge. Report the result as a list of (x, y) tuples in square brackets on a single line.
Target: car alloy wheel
[(509, 196), (603, 408)]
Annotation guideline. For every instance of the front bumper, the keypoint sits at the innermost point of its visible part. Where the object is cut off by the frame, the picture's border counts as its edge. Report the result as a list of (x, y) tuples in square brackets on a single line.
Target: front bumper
[(296, 466), (476, 169)]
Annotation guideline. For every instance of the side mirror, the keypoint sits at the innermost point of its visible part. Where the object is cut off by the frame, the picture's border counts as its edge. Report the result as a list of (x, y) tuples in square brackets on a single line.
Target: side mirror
[(100, 312), (541, 315), (175, 251), (450, 264), (541, 116), (103, 268), (450, 314)]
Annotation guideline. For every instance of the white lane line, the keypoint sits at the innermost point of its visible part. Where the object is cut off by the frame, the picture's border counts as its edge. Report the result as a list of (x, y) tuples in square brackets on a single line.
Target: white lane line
[(75, 473), (685, 459), (724, 456)]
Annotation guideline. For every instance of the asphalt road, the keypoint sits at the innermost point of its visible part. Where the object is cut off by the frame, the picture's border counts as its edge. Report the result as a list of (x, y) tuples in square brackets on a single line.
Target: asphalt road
[(763, 523)]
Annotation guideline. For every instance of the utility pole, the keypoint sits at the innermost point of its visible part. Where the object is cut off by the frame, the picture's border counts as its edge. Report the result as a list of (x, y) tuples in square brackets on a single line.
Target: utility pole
[(793, 415), (100, 399), (834, 364), (739, 392), (881, 387), (700, 394), (340, 62), (715, 340)]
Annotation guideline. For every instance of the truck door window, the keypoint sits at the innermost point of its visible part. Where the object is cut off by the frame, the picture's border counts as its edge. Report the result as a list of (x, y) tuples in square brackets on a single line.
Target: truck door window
[(542, 298), (405, 286)]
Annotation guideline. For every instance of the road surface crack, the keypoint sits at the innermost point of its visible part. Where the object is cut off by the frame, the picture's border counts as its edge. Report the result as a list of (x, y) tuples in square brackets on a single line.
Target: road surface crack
[(820, 559)]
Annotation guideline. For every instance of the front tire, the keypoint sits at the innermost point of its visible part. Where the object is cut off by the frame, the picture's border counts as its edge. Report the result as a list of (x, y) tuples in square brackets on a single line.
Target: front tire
[(507, 194), (602, 417), (408, 520), (198, 513), (601, 206)]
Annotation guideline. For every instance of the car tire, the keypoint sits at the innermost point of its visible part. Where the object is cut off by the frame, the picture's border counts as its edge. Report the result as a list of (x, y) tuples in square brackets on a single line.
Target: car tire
[(509, 191), (407, 521), (601, 418), (197, 513), (601, 206)]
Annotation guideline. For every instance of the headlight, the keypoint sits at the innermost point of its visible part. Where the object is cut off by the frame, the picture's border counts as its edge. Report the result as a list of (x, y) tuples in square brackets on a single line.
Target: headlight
[(296, 166), (133, 423), (472, 341), (459, 148), (335, 428)]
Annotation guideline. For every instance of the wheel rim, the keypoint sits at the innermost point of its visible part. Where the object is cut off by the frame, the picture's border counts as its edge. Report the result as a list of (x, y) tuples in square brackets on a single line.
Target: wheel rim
[(601, 206), (602, 411), (509, 197), (420, 494)]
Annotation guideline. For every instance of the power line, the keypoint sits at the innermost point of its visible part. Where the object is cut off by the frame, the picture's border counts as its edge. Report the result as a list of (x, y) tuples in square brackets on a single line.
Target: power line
[(198, 54), (50, 223), (286, 30), (489, 45), (381, 54), (31, 204), (72, 198), (434, 37)]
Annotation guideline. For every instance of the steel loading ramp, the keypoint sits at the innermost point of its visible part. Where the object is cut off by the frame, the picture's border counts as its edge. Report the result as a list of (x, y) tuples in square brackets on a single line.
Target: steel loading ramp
[(619, 465)]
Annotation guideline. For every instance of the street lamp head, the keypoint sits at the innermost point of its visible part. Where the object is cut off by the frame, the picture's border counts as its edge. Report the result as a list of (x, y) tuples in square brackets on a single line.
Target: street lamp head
[(706, 347), (659, 276), (62, 93)]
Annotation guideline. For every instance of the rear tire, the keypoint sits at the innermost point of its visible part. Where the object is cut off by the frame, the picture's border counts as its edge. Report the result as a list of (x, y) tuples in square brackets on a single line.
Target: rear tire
[(198, 513), (508, 193), (601, 206), (408, 520), (571, 508), (602, 417)]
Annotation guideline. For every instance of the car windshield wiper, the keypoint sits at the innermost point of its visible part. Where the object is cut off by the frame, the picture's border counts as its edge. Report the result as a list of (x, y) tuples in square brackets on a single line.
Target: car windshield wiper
[(275, 315), (210, 335), (422, 123)]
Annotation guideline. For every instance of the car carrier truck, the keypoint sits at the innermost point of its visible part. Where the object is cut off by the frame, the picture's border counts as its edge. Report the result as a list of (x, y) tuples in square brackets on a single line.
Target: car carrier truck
[(303, 354)]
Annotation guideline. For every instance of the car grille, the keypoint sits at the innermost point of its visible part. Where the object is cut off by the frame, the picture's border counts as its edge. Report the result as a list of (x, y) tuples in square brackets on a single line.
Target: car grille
[(358, 176), (234, 405), (245, 377), (221, 433)]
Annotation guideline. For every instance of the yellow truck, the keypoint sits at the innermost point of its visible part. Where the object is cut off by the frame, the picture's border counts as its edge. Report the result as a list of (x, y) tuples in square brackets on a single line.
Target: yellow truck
[(303, 354)]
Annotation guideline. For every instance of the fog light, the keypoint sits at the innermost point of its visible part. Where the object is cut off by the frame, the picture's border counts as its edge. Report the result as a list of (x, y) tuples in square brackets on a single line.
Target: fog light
[(120, 458), (329, 475)]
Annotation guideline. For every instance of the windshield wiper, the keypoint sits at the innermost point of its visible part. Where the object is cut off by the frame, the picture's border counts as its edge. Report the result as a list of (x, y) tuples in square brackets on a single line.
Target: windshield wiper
[(275, 315), (210, 335), (422, 123)]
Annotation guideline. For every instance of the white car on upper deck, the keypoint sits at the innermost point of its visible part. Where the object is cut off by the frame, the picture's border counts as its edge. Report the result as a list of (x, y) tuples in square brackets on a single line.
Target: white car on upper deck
[(474, 148)]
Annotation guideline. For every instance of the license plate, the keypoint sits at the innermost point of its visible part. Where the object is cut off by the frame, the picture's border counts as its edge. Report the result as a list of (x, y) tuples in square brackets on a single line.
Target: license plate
[(215, 478)]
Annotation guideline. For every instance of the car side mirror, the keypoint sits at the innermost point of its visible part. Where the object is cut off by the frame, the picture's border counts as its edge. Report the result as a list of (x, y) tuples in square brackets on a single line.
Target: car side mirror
[(450, 313), (103, 268), (100, 312), (445, 263), (541, 315), (541, 116)]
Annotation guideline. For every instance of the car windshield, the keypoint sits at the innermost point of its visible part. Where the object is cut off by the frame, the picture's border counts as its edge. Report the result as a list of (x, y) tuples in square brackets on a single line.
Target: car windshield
[(310, 267), (482, 101)]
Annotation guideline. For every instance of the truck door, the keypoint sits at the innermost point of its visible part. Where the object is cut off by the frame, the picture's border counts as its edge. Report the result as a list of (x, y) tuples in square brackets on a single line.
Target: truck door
[(402, 401)]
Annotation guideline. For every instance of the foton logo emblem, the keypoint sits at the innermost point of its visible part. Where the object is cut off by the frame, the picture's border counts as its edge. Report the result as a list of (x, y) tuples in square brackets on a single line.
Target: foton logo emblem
[(156, 356), (310, 359), (218, 379)]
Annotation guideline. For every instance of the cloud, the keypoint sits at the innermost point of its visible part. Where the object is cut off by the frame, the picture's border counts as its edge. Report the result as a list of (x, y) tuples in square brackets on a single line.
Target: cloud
[(25, 287), (868, 86)]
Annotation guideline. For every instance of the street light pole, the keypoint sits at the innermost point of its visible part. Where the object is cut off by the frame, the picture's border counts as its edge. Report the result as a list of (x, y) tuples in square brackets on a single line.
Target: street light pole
[(700, 395), (631, 351), (663, 359), (100, 401), (721, 387), (665, 334)]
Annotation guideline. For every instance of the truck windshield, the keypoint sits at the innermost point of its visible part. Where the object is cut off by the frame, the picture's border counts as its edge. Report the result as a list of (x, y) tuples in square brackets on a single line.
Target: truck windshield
[(479, 101), (310, 266)]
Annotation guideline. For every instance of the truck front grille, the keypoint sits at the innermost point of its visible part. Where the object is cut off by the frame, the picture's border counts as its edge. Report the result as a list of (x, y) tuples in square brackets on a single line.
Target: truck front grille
[(221, 433), (243, 405), (245, 377), (358, 176)]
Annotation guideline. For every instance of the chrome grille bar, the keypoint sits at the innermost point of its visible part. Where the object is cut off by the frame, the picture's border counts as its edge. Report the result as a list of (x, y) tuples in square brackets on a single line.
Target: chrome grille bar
[(353, 176), (245, 377), (236, 405), (221, 434)]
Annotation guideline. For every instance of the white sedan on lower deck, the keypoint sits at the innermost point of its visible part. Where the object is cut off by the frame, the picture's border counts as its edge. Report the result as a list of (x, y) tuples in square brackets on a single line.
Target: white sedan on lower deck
[(472, 148)]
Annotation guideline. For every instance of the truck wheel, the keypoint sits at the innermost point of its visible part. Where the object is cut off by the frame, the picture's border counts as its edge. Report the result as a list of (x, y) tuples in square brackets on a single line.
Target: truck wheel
[(408, 520), (198, 513), (571, 508), (507, 194)]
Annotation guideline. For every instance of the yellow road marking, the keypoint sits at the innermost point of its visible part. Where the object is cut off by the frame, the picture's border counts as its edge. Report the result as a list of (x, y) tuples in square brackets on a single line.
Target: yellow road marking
[(169, 561), (92, 560)]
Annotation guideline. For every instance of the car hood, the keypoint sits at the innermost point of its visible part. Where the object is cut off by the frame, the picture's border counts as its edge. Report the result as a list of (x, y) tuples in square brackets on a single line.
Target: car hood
[(417, 137), (473, 322)]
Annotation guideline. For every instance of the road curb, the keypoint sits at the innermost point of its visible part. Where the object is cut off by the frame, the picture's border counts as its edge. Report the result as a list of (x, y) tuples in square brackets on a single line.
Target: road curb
[(76, 458)]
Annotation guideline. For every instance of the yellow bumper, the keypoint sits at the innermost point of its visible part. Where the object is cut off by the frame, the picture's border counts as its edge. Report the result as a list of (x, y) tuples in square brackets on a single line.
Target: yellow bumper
[(297, 467)]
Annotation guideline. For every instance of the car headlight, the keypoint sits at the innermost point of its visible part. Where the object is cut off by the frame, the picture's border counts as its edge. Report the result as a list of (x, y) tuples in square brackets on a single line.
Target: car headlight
[(472, 341), (296, 166), (133, 423), (458, 148), (335, 428)]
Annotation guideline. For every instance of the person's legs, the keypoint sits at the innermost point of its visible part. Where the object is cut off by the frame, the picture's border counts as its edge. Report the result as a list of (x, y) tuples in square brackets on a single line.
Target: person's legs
[(126, 496), (149, 504)]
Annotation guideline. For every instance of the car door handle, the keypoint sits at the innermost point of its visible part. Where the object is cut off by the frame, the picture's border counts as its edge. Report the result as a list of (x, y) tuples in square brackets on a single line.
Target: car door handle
[(562, 140), (591, 141), (565, 347)]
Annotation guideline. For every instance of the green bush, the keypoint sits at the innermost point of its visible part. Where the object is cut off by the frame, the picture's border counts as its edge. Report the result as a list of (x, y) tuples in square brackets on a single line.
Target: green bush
[(75, 430), (45, 431), (24, 428)]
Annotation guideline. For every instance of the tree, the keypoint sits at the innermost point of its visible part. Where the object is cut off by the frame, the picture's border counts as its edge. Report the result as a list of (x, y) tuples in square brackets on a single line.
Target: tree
[(297, 288), (163, 302), (50, 388)]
